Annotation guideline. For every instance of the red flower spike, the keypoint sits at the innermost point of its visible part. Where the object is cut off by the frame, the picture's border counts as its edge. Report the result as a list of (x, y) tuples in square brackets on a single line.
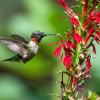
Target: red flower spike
[(57, 52)]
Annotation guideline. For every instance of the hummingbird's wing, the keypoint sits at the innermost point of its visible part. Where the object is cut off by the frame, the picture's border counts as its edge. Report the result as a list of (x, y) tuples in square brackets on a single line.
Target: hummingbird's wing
[(19, 38), (14, 45)]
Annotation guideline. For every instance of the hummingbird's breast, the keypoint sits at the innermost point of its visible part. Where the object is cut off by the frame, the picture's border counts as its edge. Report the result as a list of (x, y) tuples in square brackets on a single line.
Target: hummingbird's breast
[(30, 52)]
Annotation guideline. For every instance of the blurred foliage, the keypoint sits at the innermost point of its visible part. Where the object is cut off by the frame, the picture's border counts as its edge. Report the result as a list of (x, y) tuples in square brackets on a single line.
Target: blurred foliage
[(35, 79)]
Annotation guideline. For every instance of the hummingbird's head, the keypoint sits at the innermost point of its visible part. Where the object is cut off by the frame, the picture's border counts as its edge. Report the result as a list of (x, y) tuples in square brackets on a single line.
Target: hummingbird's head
[(37, 35)]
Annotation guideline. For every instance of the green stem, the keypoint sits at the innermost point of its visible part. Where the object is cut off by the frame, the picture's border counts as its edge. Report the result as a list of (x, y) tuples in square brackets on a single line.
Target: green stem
[(76, 56), (78, 45)]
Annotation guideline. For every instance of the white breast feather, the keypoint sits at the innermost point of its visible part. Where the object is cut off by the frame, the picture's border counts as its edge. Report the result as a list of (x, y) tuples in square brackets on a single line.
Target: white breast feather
[(34, 46)]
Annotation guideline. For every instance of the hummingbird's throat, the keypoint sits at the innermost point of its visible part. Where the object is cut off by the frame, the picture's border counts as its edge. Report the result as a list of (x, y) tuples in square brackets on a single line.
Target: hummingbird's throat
[(34, 40)]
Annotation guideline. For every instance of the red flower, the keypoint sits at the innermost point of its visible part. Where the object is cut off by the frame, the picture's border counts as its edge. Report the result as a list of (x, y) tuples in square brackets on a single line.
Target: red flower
[(95, 2), (94, 50), (90, 32), (96, 39), (73, 76), (62, 2), (68, 54), (93, 46), (98, 33), (73, 16), (69, 44), (86, 6), (93, 20), (97, 17), (57, 51), (77, 37), (88, 66), (67, 62), (74, 20)]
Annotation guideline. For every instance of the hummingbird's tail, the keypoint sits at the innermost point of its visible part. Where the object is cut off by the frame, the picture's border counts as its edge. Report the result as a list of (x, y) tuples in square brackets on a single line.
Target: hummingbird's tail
[(15, 58)]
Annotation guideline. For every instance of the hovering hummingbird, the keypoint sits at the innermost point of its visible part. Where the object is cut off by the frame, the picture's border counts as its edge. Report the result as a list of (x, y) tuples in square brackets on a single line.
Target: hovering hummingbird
[(26, 49)]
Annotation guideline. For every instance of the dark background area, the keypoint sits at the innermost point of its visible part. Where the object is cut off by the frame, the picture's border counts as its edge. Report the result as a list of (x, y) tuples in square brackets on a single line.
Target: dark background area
[(35, 79)]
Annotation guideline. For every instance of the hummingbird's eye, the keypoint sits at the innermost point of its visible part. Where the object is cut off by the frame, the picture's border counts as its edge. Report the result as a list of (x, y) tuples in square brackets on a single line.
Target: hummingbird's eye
[(38, 33)]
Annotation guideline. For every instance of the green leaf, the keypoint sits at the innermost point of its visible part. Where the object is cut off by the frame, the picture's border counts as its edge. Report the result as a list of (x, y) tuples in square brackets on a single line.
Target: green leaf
[(54, 95), (76, 6), (66, 72), (92, 95)]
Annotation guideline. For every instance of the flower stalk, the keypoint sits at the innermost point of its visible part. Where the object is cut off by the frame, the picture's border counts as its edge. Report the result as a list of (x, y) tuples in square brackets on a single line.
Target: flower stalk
[(76, 56)]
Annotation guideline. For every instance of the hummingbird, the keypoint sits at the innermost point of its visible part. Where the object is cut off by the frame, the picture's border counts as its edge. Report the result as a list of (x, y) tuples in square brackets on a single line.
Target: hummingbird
[(25, 49)]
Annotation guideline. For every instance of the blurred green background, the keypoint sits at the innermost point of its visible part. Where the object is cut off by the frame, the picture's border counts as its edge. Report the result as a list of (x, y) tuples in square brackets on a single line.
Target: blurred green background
[(35, 79)]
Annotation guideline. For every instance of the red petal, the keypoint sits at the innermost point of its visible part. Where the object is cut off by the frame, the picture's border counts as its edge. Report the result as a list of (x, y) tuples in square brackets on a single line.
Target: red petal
[(57, 52), (69, 44), (61, 58), (67, 61), (88, 66), (94, 50), (74, 21), (90, 32), (89, 20), (85, 25), (62, 2), (97, 17), (98, 33), (71, 54), (78, 38), (68, 33), (86, 6), (73, 79), (97, 39), (55, 43)]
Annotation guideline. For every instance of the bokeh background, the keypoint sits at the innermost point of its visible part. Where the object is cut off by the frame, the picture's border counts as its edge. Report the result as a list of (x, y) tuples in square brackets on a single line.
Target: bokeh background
[(37, 78)]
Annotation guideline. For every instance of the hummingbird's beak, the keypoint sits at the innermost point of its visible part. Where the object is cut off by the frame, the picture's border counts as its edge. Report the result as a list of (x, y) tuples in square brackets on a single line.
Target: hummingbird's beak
[(51, 34), (48, 34)]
